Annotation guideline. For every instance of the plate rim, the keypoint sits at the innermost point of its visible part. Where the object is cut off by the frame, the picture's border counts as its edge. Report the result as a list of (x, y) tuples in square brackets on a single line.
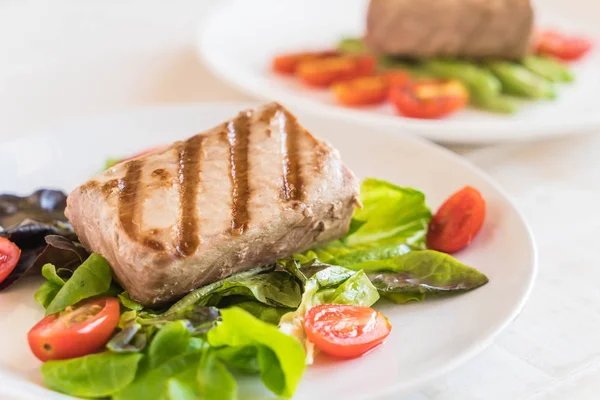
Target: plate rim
[(441, 131), (398, 387)]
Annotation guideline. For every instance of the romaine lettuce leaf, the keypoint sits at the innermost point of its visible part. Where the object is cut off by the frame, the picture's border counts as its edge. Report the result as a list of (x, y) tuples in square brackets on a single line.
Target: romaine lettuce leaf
[(393, 221)]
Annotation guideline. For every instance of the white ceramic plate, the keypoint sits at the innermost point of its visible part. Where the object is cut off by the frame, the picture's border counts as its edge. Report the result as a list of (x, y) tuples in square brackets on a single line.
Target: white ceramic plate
[(239, 40), (428, 339)]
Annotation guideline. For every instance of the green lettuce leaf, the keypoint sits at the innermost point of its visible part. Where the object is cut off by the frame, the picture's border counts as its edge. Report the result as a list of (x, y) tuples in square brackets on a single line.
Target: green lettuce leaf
[(49, 289), (215, 382), (126, 301), (280, 357), (393, 221), (93, 376), (424, 271), (92, 278), (333, 284)]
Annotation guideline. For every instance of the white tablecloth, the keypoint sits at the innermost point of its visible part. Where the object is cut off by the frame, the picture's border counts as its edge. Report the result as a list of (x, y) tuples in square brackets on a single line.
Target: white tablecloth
[(64, 59)]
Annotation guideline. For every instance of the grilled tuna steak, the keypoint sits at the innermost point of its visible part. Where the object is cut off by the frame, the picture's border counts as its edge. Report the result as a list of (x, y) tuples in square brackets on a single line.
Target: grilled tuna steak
[(467, 28), (243, 194)]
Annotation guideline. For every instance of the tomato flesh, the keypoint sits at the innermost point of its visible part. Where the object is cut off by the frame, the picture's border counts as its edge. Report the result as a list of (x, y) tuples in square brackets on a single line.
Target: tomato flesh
[(286, 64), (327, 71), (563, 47), (429, 98), (75, 332), (345, 331), (457, 221), (362, 91), (9, 257)]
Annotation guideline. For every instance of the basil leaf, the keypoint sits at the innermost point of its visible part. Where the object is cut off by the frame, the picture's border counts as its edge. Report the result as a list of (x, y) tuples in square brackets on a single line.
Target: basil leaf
[(96, 375), (92, 278), (240, 329)]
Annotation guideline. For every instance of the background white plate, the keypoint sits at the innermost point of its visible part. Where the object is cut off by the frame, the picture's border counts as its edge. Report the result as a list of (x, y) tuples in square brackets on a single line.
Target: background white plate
[(427, 339), (240, 39)]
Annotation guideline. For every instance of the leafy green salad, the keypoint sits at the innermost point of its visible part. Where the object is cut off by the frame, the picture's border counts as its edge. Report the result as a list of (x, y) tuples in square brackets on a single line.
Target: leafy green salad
[(252, 323)]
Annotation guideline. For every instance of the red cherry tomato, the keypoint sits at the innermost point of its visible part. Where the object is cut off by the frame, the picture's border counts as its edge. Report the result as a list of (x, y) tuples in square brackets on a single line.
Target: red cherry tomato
[(9, 257), (457, 221), (345, 331), (397, 78), (286, 64), (566, 48), (75, 332), (433, 98), (361, 91), (327, 71)]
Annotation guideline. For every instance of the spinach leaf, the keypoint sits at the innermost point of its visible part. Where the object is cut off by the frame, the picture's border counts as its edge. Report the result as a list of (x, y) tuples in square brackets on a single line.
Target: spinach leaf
[(265, 313), (200, 295), (424, 271), (92, 278), (96, 375), (272, 288), (240, 329)]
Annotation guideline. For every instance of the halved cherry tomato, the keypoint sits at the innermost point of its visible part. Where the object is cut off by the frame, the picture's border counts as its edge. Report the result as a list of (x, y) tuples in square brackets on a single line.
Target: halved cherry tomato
[(362, 91), (325, 72), (75, 332), (457, 221), (566, 48), (345, 331), (432, 98), (287, 63), (397, 78), (9, 257)]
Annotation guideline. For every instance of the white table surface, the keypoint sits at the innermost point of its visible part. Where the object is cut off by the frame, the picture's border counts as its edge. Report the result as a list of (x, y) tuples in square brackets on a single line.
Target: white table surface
[(65, 59)]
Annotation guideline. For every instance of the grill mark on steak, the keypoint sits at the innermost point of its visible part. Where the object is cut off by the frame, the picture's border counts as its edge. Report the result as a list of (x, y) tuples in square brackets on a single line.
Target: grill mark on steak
[(268, 113), (190, 158), (238, 137), (292, 184), (128, 198)]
